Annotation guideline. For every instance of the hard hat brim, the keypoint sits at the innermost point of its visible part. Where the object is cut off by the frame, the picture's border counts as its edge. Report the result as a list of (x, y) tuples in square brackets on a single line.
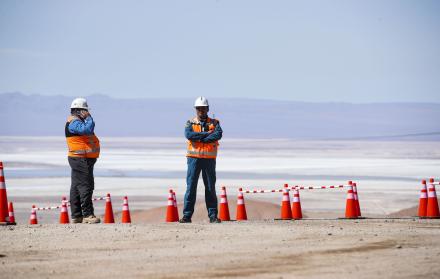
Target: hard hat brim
[(72, 107)]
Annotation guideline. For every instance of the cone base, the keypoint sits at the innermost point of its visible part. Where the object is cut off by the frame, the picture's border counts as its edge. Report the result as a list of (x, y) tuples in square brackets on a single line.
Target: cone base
[(224, 217), (8, 223)]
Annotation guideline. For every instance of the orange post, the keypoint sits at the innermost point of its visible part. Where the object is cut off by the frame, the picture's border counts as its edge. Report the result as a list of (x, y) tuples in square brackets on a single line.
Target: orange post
[(33, 219), (350, 206), (11, 213), (296, 205), (224, 206), (108, 217), (432, 210), (176, 209), (171, 214), (423, 200), (126, 218), (4, 214), (241, 207), (64, 215), (286, 211), (356, 199)]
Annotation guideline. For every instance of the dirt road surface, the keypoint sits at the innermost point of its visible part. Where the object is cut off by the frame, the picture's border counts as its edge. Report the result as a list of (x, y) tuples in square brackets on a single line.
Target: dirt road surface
[(408, 248)]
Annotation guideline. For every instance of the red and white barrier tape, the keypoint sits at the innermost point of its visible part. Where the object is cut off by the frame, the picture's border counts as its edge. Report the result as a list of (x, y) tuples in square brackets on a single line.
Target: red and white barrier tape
[(256, 191), (68, 204), (50, 207), (318, 187), (261, 191)]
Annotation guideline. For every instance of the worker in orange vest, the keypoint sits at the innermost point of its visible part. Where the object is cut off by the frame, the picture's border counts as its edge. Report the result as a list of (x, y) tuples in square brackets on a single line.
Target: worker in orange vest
[(203, 134), (83, 151)]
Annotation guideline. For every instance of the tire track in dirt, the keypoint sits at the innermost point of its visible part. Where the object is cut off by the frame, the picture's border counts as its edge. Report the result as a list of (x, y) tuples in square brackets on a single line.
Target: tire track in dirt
[(299, 262)]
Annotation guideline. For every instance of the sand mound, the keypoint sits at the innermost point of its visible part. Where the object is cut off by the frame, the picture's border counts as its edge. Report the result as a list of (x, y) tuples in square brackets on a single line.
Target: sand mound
[(407, 212), (256, 210)]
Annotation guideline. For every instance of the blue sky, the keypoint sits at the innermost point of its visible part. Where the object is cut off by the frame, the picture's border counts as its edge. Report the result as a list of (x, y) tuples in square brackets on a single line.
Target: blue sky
[(337, 51)]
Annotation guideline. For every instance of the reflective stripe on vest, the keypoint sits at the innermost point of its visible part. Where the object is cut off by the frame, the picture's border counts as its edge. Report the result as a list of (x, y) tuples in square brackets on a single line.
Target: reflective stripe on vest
[(200, 149), (201, 153), (80, 152)]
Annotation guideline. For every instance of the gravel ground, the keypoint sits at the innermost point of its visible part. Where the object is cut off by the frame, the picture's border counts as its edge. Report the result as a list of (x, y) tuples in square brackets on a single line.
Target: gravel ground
[(370, 248)]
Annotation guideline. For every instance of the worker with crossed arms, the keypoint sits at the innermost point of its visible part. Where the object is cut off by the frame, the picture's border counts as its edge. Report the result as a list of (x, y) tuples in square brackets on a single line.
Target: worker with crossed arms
[(203, 134)]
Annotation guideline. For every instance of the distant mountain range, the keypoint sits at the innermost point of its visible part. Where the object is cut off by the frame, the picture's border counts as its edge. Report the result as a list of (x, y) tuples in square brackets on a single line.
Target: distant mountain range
[(36, 115)]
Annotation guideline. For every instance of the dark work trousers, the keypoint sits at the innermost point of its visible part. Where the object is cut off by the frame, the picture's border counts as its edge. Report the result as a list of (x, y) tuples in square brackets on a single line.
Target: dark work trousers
[(207, 167), (83, 184)]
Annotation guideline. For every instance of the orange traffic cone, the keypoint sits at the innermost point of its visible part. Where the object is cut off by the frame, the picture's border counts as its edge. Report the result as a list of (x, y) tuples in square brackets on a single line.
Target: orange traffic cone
[(423, 200), (296, 205), (171, 213), (176, 209), (33, 220), (432, 210), (241, 207), (224, 206), (11, 214), (64, 215), (108, 217), (356, 199), (350, 206), (286, 211), (4, 214), (126, 218)]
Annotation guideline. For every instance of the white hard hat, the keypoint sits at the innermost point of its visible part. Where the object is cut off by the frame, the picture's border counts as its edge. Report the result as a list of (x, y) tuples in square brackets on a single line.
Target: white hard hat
[(201, 102), (80, 103)]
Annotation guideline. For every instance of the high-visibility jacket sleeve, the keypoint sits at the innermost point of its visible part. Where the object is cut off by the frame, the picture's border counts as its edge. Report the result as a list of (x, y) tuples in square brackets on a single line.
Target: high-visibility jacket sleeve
[(82, 128), (214, 136), (191, 135)]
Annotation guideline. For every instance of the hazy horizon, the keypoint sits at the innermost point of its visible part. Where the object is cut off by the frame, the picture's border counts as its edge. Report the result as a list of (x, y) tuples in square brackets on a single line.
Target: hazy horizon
[(37, 115), (93, 95)]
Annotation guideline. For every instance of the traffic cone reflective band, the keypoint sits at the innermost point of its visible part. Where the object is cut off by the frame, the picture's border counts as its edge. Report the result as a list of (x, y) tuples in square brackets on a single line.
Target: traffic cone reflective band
[(126, 218), (108, 217), (423, 200), (4, 214), (350, 206), (64, 215), (224, 206), (171, 215), (11, 213), (176, 209), (286, 211), (33, 220), (296, 205), (356, 199), (241, 208), (432, 210)]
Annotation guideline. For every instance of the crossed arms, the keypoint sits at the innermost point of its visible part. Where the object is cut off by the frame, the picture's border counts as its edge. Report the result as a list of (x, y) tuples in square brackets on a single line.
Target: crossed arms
[(205, 137)]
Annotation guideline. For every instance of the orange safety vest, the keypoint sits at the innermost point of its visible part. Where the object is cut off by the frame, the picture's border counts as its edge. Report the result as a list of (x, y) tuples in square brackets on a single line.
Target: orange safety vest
[(85, 146), (198, 149)]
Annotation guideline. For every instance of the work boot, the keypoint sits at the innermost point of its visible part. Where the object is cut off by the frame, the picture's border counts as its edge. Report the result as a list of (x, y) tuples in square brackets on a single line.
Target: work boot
[(92, 219), (185, 220), (214, 220), (77, 220)]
